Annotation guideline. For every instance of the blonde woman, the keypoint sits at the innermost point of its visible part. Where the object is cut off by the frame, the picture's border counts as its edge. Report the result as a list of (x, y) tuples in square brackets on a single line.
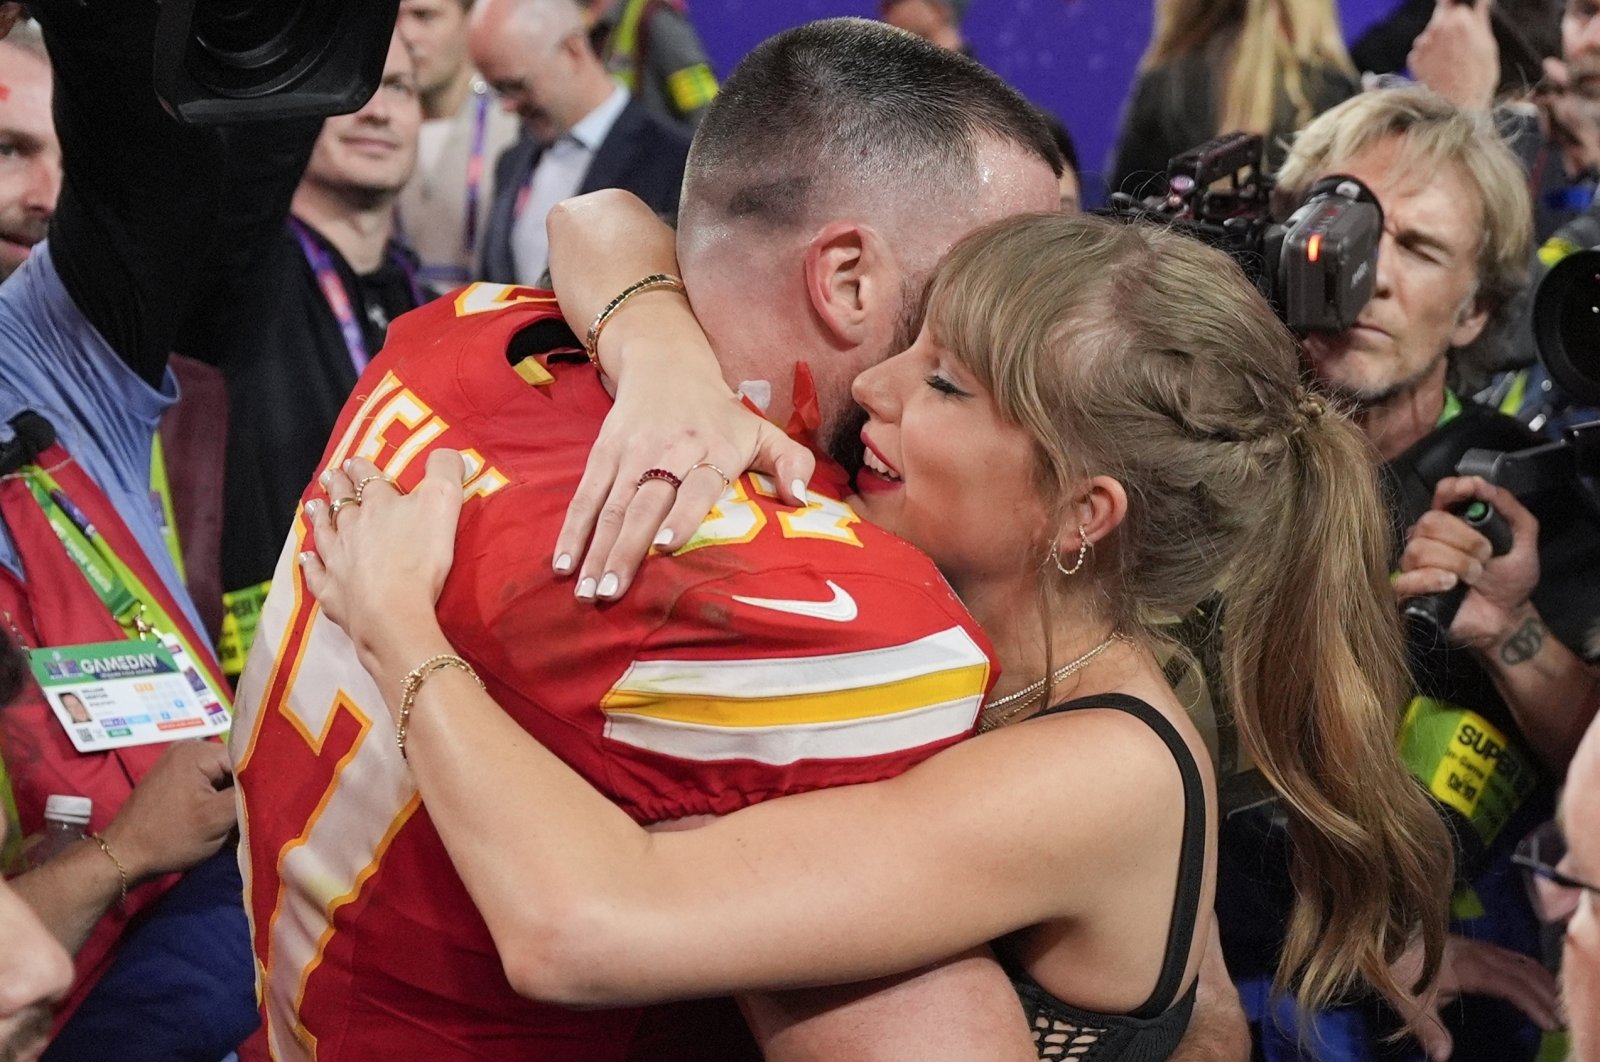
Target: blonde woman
[(1220, 66), (1098, 427)]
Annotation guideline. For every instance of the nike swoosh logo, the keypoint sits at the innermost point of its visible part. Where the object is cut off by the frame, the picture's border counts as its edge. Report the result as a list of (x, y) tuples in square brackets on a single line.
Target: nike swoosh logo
[(842, 609)]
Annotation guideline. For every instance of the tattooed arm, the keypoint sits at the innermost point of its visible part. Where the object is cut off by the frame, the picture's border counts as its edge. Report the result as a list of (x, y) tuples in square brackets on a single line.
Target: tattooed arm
[(1550, 691)]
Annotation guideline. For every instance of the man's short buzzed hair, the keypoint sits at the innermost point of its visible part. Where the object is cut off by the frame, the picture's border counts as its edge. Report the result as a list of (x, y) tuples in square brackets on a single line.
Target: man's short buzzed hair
[(845, 109)]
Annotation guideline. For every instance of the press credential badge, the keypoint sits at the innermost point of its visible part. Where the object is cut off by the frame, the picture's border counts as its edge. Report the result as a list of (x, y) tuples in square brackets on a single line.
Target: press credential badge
[(114, 695)]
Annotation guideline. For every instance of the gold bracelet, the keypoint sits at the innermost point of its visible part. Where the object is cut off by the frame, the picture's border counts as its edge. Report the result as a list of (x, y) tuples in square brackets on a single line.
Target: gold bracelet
[(122, 871), (412, 683), (591, 342)]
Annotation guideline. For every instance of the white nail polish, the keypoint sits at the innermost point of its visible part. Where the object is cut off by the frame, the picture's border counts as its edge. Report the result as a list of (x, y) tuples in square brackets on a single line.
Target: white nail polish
[(586, 590), (799, 488), (312, 507), (347, 463), (663, 537), (305, 558), (564, 563), (608, 584), (323, 479)]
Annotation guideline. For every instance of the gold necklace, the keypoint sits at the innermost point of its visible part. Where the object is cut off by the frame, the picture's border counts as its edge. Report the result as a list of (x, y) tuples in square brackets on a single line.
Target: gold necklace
[(993, 718)]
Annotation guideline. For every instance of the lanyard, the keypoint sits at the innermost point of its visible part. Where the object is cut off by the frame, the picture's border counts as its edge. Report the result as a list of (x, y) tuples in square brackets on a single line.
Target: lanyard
[(480, 135), (162, 488), (1452, 409), (333, 289), (122, 592)]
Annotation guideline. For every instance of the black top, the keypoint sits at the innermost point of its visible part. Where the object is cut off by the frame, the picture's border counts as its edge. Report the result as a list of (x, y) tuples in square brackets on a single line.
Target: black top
[(1153, 1030), (288, 378)]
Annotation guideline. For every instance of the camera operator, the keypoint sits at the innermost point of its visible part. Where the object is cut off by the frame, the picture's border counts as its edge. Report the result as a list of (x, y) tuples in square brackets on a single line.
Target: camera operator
[(154, 220), (1452, 258), (1550, 690)]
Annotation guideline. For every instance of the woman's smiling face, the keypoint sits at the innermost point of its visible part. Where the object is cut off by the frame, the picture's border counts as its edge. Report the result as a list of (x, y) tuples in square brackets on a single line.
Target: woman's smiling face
[(945, 471)]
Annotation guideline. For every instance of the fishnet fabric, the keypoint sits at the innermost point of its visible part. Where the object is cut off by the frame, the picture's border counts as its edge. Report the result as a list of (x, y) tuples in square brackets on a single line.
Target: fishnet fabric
[(1064, 1033)]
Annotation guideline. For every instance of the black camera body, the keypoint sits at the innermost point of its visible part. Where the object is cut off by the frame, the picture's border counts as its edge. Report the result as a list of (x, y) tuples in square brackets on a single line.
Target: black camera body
[(1317, 267), (220, 61)]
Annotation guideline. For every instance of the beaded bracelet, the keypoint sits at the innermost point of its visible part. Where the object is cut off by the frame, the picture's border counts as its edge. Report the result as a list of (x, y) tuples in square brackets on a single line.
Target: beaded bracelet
[(591, 342), (412, 683)]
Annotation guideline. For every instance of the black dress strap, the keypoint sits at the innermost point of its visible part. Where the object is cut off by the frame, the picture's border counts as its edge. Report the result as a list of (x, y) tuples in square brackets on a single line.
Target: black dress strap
[(1192, 854)]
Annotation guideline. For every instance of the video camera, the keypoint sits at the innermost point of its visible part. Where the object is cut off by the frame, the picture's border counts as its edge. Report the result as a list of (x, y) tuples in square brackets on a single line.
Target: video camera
[(1566, 325), (220, 61), (1317, 268), (1566, 331)]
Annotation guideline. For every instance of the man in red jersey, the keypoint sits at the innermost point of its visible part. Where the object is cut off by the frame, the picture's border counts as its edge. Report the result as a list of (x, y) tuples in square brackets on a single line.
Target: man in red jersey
[(781, 649)]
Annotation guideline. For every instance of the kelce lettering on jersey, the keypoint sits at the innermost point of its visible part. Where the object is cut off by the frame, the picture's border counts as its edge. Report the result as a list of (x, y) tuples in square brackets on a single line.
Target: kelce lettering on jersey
[(369, 795)]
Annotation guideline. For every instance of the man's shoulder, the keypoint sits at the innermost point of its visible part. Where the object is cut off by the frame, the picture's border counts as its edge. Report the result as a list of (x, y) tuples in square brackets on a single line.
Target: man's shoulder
[(638, 122)]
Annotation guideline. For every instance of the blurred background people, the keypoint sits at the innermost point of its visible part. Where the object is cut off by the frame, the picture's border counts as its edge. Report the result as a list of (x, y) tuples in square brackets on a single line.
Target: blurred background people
[(332, 280), (1577, 893), (151, 224), (581, 131), (30, 154), (938, 21), (653, 51), (445, 205), (1216, 66)]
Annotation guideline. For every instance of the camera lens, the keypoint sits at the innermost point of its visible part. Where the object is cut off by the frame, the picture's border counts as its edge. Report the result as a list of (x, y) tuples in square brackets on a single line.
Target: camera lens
[(235, 27), (244, 48), (1566, 325)]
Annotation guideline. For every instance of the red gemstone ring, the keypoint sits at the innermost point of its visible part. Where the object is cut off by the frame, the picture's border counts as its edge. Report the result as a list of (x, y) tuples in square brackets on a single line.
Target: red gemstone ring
[(663, 475)]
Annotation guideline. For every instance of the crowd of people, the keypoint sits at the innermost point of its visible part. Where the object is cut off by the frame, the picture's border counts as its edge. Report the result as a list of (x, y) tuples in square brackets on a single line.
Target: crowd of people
[(650, 567)]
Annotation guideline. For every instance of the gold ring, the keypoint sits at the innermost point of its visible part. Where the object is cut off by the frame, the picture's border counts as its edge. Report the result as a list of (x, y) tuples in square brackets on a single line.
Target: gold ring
[(333, 509), (726, 482), (368, 479)]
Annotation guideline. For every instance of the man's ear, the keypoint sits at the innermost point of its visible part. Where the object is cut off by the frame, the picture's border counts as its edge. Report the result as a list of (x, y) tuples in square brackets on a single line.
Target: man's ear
[(845, 264)]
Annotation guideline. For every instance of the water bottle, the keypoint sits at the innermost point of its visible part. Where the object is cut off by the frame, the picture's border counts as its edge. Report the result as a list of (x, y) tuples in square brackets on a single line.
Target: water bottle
[(66, 819)]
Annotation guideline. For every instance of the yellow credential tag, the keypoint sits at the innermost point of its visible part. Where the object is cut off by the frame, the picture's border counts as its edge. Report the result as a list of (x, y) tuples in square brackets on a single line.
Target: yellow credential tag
[(241, 614), (1467, 763)]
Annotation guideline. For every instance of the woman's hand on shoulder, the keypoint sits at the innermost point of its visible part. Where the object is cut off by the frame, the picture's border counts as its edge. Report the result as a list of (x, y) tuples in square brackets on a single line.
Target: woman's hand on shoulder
[(670, 448)]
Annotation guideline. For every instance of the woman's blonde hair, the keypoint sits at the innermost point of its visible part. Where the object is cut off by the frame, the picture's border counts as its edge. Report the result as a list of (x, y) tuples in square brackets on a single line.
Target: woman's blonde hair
[(1273, 44), (1139, 353)]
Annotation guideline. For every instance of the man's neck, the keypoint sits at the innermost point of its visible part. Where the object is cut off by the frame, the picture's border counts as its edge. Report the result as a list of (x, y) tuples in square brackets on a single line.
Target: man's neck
[(358, 228), (1400, 422), (446, 100), (597, 88)]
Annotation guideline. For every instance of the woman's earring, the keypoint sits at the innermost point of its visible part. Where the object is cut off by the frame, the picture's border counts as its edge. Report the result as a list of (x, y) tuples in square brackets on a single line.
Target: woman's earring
[(1083, 552)]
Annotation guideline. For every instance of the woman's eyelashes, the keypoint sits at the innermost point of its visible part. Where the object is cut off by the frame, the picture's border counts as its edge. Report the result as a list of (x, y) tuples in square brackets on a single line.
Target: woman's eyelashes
[(944, 385)]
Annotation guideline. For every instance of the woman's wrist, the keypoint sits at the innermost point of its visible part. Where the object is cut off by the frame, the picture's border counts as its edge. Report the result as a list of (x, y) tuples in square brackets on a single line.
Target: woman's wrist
[(656, 332), (403, 638)]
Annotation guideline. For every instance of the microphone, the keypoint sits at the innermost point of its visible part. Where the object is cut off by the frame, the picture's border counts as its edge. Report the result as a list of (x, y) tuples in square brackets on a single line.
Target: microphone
[(34, 435)]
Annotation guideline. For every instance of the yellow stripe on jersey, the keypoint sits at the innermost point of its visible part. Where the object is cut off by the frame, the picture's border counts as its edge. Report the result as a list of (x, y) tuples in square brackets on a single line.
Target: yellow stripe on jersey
[(862, 702), (780, 710)]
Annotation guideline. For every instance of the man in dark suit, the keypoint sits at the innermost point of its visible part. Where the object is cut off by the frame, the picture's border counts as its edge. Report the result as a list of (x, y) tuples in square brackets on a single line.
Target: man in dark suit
[(581, 131)]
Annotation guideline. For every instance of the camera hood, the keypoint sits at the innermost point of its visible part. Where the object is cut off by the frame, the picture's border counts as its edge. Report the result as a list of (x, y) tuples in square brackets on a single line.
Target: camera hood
[(1566, 325), (219, 61)]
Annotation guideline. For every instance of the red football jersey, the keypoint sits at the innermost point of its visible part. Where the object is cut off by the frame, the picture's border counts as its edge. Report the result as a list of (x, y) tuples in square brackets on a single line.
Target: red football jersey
[(779, 650)]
